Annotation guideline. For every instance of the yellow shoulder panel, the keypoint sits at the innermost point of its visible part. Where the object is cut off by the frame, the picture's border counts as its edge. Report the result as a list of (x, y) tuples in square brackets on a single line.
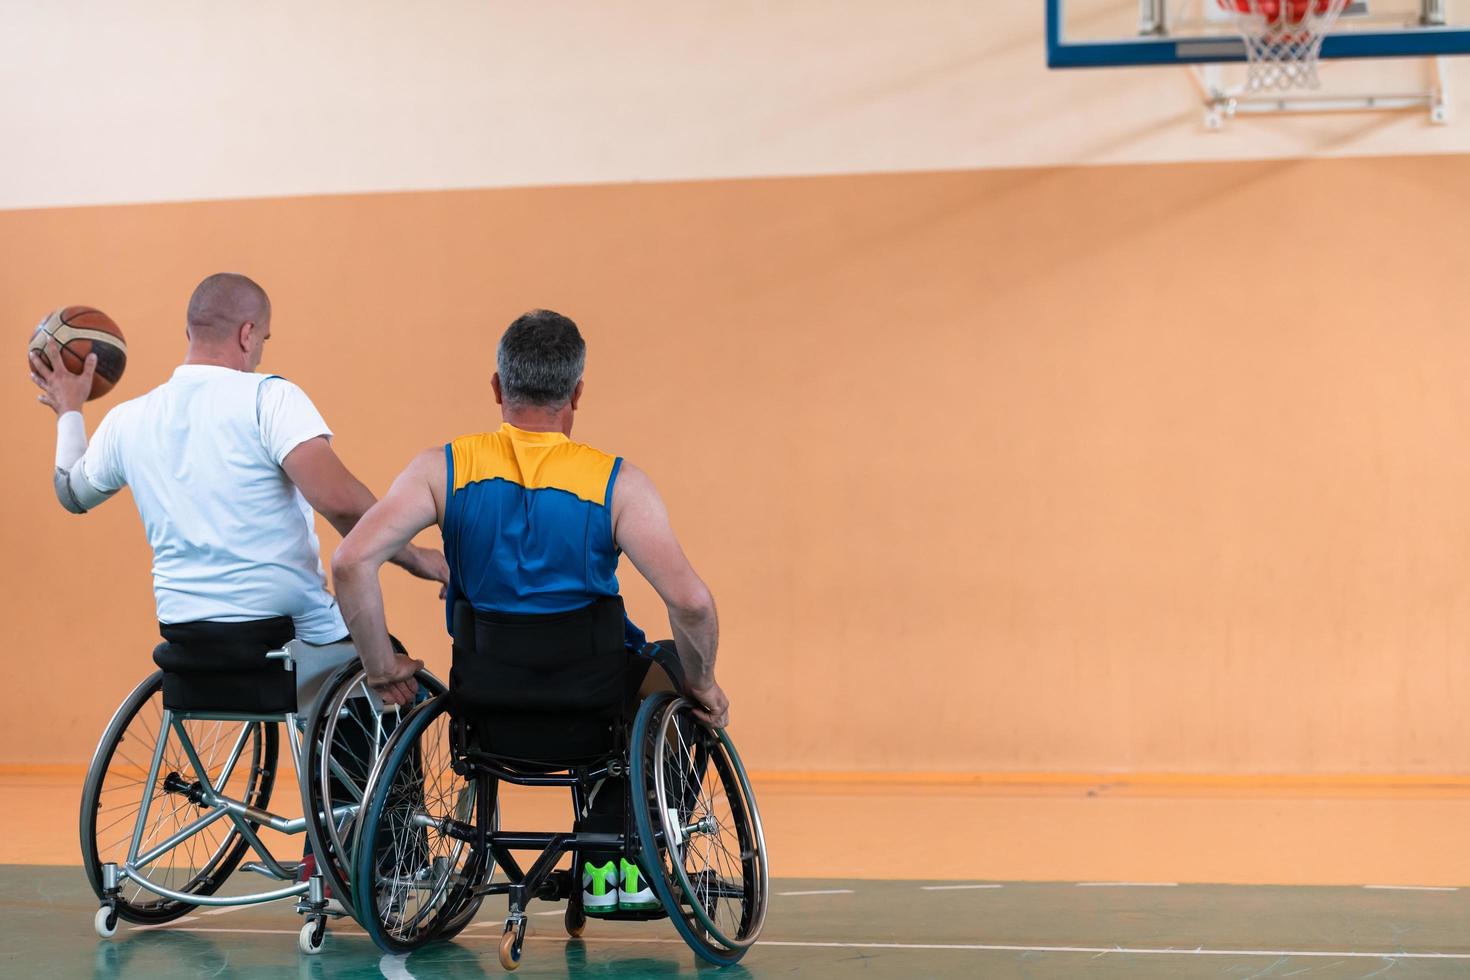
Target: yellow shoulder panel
[(483, 456), (579, 470), (540, 465)]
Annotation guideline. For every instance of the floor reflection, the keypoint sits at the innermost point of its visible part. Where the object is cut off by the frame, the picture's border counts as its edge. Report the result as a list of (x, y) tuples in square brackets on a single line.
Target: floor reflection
[(576, 958)]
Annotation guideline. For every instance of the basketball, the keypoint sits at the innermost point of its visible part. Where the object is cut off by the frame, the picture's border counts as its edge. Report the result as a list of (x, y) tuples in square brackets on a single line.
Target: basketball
[(1284, 11), (79, 331)]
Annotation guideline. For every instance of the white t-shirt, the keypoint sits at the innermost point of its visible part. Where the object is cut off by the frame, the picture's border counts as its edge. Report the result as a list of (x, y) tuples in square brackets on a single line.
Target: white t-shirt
[(232, 537)]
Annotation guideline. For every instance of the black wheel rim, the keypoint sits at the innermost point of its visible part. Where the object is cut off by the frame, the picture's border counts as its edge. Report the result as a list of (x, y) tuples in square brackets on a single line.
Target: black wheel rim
[(345, 735), (415, 882)]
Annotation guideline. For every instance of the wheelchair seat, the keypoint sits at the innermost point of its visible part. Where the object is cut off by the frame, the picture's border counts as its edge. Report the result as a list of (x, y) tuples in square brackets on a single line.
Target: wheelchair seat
[(547, 689), (223, 667)]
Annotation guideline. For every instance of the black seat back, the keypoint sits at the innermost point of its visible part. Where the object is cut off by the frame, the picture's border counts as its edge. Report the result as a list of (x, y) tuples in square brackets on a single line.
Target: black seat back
[(545, 688), (222, 666)]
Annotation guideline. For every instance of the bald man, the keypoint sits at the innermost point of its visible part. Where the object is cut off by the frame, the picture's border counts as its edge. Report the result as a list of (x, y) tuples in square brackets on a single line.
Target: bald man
[(226, 467)]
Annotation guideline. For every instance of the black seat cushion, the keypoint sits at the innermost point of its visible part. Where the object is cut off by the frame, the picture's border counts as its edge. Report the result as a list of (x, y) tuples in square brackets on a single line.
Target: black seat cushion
[(222, 666), (545, 688)]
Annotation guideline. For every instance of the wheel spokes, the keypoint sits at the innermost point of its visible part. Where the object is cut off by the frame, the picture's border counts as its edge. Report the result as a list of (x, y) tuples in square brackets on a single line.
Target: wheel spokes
[(226, 758), (711, 850)]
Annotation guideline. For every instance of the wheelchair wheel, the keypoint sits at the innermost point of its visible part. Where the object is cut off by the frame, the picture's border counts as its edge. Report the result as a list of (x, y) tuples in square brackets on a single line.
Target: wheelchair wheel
[(699, 830), (240, 761), (415, 867), (346, 731)]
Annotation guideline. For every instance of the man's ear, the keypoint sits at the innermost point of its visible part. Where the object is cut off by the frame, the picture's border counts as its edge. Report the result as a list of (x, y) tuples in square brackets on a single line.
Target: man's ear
[(495, 386), (247, 330), (576, 394)]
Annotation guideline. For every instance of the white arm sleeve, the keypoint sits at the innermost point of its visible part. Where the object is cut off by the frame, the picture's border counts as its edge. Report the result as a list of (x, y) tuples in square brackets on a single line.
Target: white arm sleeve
[(77, 491), (71, 440)]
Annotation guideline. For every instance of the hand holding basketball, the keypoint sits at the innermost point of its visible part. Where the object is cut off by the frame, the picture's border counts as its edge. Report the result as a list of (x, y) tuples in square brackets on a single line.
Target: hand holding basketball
[(70, 338), (61, 390)]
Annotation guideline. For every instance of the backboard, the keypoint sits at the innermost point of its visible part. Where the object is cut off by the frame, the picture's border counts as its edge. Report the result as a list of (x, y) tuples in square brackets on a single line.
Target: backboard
[(1117, 33)]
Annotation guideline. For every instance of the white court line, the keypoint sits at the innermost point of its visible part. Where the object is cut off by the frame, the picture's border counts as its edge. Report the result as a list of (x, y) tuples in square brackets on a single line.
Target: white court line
[(954, 888), (828, 891), (985, 947), (1127, 884), (1097, 950), (501, 925), (164, 925), (226, 908), (1413, 888)]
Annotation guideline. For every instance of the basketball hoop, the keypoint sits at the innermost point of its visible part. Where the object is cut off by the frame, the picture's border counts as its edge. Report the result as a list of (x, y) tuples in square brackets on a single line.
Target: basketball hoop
[(1283, 39)]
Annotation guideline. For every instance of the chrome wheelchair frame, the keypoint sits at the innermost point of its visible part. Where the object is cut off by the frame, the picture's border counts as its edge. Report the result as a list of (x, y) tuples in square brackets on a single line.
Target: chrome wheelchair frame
[(207, 770)]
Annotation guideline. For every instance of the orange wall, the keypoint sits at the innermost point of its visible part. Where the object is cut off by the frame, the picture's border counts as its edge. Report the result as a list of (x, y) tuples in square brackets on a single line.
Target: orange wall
[(1038, 469)]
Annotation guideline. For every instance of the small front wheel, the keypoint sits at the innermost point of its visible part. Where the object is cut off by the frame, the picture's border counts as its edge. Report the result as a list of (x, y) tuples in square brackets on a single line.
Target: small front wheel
[(105, 922), (312, 937), (510, 947), (575, 919)]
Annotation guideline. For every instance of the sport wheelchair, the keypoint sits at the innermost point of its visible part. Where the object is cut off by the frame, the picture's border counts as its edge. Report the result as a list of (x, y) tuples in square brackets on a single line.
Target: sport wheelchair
[(179, 787), (546, 701)]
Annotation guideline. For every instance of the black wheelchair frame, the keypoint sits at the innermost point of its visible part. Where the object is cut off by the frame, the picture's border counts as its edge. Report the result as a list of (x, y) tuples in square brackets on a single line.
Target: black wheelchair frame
[(649, 836)]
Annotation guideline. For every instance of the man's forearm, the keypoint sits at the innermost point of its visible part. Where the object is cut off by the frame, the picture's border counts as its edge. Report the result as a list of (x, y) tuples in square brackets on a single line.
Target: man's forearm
[(71, 439), (73, 491), (697, 635), (352, 501), (361, 598), (71, 445)]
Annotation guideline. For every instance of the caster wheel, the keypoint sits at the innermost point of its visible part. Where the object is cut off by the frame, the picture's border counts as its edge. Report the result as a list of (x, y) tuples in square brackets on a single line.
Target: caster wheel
[(575, 920), (105, 922), (312, 937), (510, 948)]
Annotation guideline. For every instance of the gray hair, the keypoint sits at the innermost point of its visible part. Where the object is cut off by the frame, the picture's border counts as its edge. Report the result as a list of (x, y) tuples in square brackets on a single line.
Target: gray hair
[(540, 360)]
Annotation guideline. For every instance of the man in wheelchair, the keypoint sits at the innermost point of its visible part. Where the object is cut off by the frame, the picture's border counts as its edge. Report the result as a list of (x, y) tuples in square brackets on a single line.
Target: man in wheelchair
[(226, 467), (547, 666)]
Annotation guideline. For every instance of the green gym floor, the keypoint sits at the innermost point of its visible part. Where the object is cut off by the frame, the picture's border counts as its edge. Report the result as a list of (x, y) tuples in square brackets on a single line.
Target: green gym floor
[(816, 928)]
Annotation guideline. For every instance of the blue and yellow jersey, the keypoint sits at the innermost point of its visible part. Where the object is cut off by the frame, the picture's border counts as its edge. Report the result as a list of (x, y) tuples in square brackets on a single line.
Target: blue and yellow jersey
[(528, 523)]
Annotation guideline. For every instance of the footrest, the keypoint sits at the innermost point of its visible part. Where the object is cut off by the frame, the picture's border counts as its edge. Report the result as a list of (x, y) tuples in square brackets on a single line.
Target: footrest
[(557, 887), (630, 915)]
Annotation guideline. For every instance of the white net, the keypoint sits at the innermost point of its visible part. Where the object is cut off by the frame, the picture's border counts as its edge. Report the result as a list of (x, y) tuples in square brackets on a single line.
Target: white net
[(1283, 39)]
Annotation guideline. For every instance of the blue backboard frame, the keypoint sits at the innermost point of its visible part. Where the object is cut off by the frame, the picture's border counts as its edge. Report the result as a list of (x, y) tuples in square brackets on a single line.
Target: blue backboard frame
[(1407, 42)]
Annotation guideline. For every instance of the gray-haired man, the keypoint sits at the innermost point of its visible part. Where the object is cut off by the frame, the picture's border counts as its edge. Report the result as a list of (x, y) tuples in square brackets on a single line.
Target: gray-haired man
[(533, 523)]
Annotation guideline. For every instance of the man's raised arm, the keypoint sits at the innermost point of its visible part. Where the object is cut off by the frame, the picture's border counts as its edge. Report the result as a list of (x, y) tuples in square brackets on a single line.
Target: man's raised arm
[(65, 393), (641, 528), (385, 530)]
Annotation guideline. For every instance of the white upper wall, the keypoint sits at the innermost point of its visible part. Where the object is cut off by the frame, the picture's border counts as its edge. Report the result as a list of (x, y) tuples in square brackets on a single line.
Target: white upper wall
[(157, 100)]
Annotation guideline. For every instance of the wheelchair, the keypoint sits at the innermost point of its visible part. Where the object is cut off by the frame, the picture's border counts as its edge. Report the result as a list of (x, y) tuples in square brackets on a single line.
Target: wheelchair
[(531, 703), (182, 779)]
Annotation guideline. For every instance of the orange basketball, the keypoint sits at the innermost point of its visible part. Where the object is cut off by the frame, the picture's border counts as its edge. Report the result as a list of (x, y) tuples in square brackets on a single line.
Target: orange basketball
[(1279, 11), (81, 330)]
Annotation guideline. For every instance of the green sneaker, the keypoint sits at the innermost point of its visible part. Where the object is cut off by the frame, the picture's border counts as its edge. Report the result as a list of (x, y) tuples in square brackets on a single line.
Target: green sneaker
[(599, 888), (633, 889)]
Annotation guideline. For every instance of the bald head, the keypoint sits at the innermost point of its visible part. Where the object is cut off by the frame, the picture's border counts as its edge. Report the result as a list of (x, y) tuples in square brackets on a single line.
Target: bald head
[(224, 302)]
